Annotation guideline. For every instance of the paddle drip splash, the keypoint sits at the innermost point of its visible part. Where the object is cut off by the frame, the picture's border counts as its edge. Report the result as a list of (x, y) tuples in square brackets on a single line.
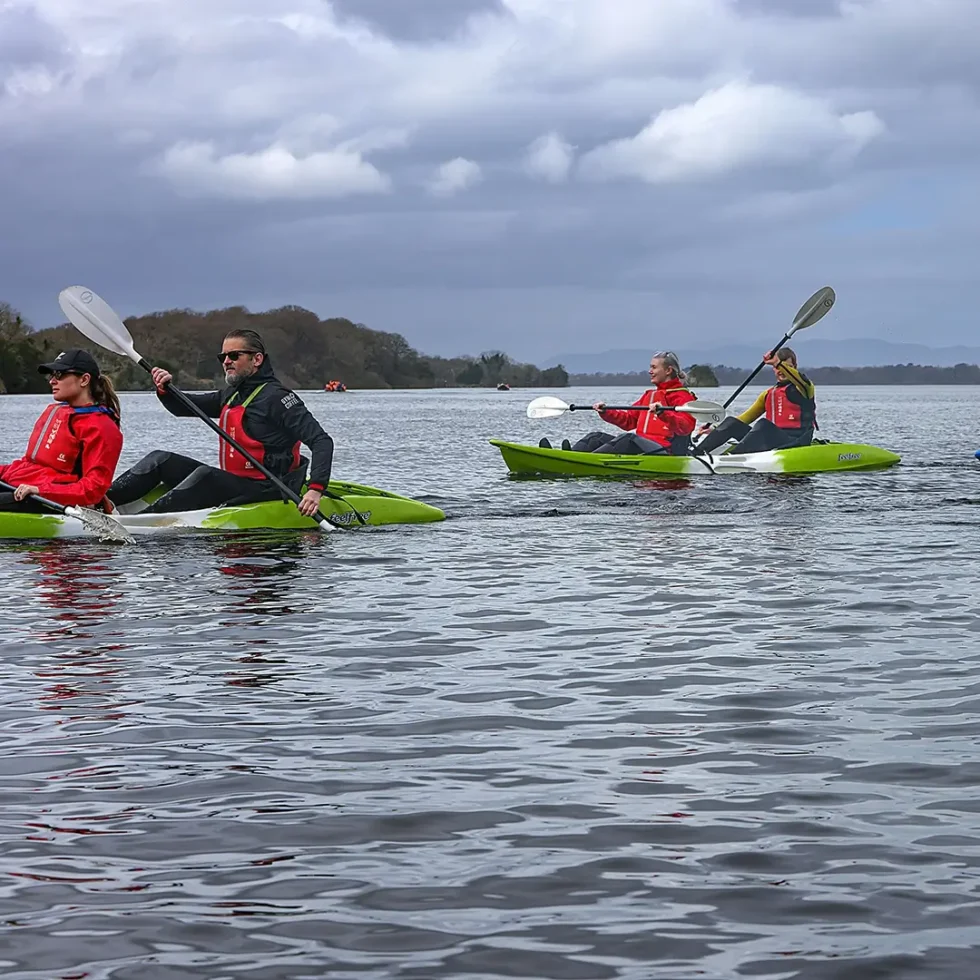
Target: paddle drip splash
[(104, 527)]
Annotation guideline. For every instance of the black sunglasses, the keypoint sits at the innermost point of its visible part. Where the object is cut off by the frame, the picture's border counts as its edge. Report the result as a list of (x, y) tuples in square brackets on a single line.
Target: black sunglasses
[(233, 355), (58, 375)]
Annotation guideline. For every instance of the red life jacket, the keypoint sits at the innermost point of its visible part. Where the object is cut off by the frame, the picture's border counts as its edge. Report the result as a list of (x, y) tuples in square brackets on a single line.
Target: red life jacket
[(232, 421), (785, 414), (53, 444), (652, 426)]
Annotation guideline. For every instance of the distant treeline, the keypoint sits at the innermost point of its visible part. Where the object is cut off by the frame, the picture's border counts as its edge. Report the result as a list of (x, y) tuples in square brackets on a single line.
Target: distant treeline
[(305, 350), (892, 374)]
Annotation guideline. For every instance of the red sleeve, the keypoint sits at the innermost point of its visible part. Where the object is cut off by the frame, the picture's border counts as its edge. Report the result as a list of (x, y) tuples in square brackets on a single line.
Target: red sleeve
[(679, 423), (625, 419), (102, 442)]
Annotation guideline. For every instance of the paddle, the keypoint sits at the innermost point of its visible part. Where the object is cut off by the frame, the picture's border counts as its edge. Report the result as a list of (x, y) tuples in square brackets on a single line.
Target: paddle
[(105, 527), (98, 321), (815, 308), (549, 407)]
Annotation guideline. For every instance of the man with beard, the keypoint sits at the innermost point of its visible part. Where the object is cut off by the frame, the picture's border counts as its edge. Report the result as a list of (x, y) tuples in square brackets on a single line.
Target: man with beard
[(262, 415)]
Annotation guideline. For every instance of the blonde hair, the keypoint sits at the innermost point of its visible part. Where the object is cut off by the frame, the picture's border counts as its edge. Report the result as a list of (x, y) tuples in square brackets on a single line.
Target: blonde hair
[(670, 360)]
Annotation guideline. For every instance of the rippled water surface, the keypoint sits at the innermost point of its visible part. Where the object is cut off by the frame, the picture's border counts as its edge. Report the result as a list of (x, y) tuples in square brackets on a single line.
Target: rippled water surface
[(724, 727)]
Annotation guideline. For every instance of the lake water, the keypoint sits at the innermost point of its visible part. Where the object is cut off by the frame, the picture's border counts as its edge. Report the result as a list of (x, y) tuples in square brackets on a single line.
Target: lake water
[(718, 728)]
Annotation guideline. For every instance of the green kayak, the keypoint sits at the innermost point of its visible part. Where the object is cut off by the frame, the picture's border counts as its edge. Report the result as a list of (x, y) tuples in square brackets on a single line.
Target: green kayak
[(375, 506), (818, 458)]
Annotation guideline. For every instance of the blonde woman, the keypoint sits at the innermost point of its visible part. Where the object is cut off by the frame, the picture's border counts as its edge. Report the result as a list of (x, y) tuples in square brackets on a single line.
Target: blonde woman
[(655, 429), (789, 407)]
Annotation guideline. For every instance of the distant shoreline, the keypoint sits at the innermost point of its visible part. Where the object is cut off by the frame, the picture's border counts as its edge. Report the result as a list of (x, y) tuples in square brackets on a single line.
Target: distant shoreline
[(891, 374)]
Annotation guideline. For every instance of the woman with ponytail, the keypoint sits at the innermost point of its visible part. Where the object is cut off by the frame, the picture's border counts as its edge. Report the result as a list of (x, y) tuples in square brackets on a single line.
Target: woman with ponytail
[(74, 448), (785, 415), (655, 428)]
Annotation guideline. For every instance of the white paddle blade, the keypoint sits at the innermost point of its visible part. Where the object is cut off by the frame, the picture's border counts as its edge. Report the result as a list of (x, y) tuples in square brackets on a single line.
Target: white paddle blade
[(816, 307), (704, 410), (97, 320), (546, 407)]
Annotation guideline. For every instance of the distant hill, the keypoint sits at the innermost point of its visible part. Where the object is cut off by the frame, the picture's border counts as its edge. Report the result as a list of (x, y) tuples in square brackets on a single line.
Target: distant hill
[(813, 352), (306, 352)]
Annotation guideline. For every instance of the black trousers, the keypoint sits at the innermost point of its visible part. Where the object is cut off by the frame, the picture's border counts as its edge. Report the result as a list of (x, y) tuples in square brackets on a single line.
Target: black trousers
[(191, 485), (760, 438), (628, 444), (26, 506)]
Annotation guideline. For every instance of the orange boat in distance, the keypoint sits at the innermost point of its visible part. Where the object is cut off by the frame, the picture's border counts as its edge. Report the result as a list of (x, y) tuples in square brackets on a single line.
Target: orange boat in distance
[(335, 386)]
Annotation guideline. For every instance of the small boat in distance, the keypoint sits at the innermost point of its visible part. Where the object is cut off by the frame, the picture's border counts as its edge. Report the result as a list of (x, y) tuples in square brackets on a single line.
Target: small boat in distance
[(503, 386), (335, 386)]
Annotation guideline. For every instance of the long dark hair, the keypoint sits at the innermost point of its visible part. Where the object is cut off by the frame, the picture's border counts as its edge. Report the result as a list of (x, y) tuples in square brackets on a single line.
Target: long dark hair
[(105, 395)]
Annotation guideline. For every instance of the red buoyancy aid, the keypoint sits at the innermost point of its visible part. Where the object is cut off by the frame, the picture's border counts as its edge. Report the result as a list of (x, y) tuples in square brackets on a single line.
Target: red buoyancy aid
[(53, 445), (232, 421), (71, 455), (649, 424), (785, 414)]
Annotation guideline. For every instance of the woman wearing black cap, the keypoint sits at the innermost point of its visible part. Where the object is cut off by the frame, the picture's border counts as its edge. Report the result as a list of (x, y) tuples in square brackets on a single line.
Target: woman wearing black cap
[(75, 446)]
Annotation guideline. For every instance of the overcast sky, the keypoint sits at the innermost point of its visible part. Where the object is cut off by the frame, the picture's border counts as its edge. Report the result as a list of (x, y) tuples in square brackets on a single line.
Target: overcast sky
[(539, 176)]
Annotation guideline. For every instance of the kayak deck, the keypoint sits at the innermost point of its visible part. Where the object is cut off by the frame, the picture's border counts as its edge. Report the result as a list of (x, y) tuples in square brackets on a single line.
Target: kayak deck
[(817, 458), (376, 507)]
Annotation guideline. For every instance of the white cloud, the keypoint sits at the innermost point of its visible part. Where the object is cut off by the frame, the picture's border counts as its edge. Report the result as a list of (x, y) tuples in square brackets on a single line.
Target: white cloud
[(737, 125), (274, 172), (550, 158), (35, 81), (454, 176)]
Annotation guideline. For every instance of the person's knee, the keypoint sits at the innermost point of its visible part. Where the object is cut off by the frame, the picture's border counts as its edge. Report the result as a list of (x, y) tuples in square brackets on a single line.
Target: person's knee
[(589, 441), (195, 478), (151, 461), (735, 428)]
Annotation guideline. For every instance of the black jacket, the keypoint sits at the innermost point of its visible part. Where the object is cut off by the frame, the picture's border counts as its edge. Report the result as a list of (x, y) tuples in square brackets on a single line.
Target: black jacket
[(276, 417)]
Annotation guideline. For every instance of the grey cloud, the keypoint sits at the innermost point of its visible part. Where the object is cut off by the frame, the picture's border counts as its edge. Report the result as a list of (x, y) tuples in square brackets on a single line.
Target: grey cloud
[(417, 20), (511, 260), (26, 40), (792, 8)]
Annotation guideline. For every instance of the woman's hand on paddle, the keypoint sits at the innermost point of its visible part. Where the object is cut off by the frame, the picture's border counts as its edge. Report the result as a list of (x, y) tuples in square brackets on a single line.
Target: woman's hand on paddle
[(703, 429), (310, 503), (770, 358), (25, 490), (161, 377), (599, 406)]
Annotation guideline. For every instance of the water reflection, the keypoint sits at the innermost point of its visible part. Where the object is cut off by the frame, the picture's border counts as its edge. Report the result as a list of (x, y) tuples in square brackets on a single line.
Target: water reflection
[(664, 484), (82, 584), (658, 734), (263, 573)]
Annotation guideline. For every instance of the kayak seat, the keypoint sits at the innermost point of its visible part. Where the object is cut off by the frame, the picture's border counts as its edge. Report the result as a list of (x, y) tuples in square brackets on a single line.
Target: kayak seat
[(294, 479)]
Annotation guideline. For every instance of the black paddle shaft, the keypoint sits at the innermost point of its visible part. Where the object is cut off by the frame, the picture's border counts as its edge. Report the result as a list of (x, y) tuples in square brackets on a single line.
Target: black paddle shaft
[(742, 386), (231, 440), (53, 504), (623, 408)]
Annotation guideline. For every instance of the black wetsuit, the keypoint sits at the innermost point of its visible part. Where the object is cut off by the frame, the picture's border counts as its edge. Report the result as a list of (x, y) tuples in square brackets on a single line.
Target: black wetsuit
[(275, 416)]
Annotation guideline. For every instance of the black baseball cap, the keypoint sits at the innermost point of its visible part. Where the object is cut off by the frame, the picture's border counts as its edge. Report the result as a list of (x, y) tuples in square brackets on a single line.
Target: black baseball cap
[(74, 359)]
